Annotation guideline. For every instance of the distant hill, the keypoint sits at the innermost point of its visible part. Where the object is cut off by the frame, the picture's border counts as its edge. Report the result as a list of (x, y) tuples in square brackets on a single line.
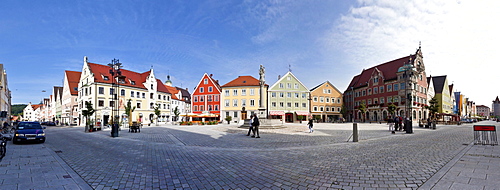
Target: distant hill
[(17, 109)]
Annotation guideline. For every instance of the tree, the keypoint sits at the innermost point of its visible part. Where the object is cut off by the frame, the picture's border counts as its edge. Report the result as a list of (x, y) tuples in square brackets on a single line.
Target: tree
[(128, 111), (343, 111), (391, 108), (176, 113), (228, 119), (433, 108), (157, 113), (89, 111), (362, 109)]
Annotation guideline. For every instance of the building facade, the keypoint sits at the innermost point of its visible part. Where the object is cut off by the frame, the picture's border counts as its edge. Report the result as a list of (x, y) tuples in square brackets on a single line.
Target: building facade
[(444, 98), (326, 102), (401, 82), (181, 101), (5, 96), (240, 98), (483, 111), (206, 99), (69, 97), (288, 98), (143, 89)]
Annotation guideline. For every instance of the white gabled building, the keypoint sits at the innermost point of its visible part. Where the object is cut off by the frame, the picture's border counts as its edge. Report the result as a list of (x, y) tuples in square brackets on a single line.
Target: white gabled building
[(143, 89)]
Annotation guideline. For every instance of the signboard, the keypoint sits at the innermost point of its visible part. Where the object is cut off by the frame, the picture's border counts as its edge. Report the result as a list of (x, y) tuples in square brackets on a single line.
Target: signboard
[(485, 135)]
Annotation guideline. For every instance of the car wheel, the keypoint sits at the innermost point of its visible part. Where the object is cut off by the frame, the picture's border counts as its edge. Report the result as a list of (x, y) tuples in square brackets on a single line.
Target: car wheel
[(42, 141), (14, 140)]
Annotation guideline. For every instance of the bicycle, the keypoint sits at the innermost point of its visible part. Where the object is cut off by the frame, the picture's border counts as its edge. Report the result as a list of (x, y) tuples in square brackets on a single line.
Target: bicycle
[(3, 145)]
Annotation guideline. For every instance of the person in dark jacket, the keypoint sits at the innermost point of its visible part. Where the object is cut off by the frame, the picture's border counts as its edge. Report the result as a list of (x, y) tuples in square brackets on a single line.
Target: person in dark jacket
[(255, 125), (310, 124)]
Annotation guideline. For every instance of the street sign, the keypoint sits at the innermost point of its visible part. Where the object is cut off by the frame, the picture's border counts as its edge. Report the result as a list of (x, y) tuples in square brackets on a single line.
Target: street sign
[(485, 135)]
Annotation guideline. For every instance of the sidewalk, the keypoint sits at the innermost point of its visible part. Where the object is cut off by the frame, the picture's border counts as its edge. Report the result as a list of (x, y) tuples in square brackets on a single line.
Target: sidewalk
[(34, 166), (475, 167)]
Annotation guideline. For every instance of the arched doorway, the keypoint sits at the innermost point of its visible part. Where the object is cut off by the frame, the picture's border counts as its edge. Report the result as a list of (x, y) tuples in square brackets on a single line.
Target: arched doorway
[(375, 115), (384, 114), (367, 116)]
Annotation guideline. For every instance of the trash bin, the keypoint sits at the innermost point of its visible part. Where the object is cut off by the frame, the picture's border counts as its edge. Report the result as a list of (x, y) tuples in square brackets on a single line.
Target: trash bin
[(114, 130)]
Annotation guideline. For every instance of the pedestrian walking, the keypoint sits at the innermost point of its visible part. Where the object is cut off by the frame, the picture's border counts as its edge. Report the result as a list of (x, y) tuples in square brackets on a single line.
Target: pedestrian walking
[(396, 123), (251, 129), (255, 125), (310, 124), (390, 122)]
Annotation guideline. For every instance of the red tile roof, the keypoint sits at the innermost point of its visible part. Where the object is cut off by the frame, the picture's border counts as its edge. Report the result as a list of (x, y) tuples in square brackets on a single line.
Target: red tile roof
[(388, 70), (73, 78), (36, 106), (243, 81), (132, 79)]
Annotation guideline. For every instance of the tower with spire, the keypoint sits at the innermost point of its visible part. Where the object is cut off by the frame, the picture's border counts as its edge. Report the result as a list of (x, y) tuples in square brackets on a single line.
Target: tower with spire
[(496, 108)]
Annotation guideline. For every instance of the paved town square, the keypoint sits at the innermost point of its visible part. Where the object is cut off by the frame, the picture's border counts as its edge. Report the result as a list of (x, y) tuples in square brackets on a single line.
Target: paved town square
[(223, 157)]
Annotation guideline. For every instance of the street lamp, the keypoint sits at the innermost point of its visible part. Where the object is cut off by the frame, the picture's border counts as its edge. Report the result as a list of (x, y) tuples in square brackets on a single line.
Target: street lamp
[(115, 74)]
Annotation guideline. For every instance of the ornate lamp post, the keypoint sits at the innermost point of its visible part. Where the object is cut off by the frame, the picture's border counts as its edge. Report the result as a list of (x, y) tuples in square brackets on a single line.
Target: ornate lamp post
[(115, 74)]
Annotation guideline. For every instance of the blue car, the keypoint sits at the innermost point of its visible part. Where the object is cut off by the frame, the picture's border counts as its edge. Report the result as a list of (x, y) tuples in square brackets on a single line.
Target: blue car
[(29, 132)]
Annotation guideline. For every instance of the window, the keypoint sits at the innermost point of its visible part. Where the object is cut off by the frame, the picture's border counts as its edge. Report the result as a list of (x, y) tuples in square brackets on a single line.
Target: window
[(281, 104), (101, 103), (111, 103), (195, 108), (327, 100), (282, 95), (381, 89), (321, 108), (202, 108), (209, 98), (209, 107), (396, 87), (288, 85), (369, 101), (389, 99), (315, 99), (315, 108), (281, 85), (111, 91), (273, 94), (296, 95), (101, 90), (252, 102), (138, 94), (296, 104), (243, 92), (389, 88), (132, 82), (375, 101), (235, 92), (205, 81), (402, 86), (235, 114), (143, 95), (321, 99), (327, 108), (338, 100), (382, 100), (364, 93), (288, 78), (152, 87), (195, 98), (296, 86), (201, 90), (375, 90), (243, 102), (289, 104), (216, 107), (226, 92), (216, 98), (202, 98), (303, 95), (106, 78), (132, 94), (396, 99), (151, 95), (252, 92), (235, 103), (226, 103), (289, 94), (273, 104), (370, 91), (210, 89), (151, 106)]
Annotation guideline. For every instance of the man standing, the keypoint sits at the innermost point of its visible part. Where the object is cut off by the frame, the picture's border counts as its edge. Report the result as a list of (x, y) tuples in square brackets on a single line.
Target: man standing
[(251, 129), (255, 125)]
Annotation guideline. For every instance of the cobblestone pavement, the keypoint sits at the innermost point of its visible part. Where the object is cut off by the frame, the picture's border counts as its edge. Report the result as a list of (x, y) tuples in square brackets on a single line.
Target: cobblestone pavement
[(222, 157)]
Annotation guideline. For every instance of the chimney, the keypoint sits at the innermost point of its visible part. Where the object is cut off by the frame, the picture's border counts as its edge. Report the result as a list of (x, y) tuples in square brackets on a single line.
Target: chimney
[(211, 75), (279, 77)]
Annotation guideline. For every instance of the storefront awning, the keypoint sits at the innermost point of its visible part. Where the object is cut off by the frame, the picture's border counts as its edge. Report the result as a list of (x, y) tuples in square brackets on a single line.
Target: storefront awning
[(276, 113), (302, 113)]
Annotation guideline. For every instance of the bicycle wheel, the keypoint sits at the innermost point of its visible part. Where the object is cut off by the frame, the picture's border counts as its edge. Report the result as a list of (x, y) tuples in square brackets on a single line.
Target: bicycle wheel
[(2, 151)]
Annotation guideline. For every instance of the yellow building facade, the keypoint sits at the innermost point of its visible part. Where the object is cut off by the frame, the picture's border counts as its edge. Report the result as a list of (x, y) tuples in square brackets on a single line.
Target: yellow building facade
[(326, 103)]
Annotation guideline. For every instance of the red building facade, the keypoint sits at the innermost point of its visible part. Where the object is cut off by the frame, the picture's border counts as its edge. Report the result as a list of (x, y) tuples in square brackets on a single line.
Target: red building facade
[(206, 98), (401, 82)]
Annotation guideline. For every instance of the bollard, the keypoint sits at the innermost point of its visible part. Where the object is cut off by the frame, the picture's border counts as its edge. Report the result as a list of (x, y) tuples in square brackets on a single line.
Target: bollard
[(354, 132)]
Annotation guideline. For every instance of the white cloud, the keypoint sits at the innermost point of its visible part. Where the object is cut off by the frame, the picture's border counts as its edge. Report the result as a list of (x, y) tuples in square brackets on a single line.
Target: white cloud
[(458, 39)]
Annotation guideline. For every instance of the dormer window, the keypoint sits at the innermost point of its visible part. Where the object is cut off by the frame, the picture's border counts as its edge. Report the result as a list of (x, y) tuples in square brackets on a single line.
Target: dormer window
[(105, 77), (132, 82)]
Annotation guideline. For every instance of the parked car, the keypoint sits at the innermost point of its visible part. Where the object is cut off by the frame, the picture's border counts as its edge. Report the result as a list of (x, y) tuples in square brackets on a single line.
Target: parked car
[(29, 132)]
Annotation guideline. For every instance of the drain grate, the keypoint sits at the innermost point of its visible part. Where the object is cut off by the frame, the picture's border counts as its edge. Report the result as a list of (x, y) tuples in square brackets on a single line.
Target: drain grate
[(66, 176), (58, 151)]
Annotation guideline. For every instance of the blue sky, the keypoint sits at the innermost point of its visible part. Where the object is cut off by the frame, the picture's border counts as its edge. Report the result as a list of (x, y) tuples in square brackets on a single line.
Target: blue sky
[(319, 40)]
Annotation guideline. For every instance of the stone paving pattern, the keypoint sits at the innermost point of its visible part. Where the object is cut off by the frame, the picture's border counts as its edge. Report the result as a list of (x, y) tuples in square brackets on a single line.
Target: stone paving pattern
[(222, 157)]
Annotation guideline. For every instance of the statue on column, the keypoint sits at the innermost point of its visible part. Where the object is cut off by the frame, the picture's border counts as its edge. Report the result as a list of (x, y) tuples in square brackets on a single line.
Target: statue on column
[(262, 73)]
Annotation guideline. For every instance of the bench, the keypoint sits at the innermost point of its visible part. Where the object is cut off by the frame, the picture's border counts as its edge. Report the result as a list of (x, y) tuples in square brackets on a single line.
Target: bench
[(135, 128)]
